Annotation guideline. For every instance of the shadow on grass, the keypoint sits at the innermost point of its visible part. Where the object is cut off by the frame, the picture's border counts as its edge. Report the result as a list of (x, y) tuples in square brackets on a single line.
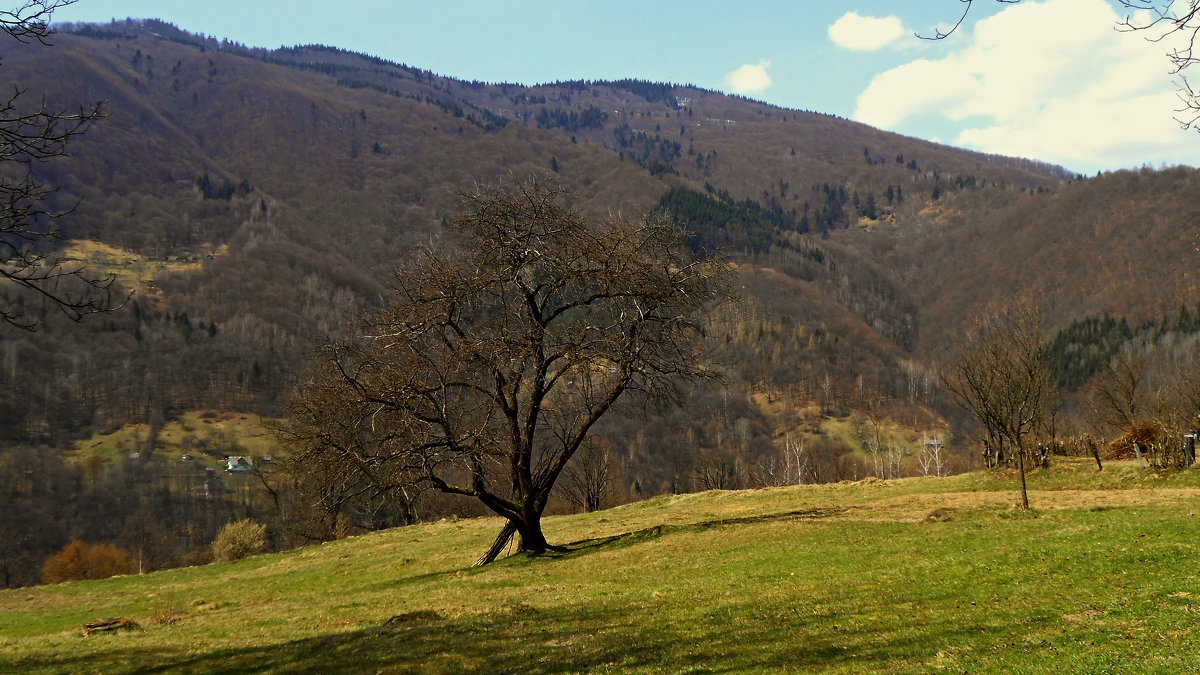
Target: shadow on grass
[(411, 580), (626, 539), (520, 638), (722, 634)]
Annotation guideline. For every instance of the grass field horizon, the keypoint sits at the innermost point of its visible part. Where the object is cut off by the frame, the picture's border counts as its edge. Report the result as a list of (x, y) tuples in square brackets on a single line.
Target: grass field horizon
[(910, 575)]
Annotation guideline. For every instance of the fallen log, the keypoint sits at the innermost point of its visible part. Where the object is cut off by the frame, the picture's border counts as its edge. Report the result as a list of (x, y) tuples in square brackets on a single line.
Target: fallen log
[(109, 625)]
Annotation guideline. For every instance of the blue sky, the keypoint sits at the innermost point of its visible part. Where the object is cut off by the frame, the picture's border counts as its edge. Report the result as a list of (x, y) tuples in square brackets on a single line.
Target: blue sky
[(1048, 79)]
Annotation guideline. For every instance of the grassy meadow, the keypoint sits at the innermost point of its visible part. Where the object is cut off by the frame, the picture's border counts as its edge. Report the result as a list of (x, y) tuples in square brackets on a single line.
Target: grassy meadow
[(914, 575), (205, 434), (136, 273)]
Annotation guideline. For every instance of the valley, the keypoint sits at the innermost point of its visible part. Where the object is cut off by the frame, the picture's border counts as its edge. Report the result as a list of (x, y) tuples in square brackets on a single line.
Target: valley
[(253, 203)]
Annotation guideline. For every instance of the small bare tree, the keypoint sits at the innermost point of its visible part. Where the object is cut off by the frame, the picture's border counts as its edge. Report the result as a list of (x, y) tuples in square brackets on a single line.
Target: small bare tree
[(932, 459), (1003, 379), (1119, 394), (925, 461), (895, 459), (871, 436), (714, 471), (587, 480), (788, 467), (796, 467), (496, 359)]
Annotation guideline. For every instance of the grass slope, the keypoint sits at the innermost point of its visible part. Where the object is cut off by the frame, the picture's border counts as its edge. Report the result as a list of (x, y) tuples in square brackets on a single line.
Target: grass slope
[(208, 435), (915, 575), (132, 271)]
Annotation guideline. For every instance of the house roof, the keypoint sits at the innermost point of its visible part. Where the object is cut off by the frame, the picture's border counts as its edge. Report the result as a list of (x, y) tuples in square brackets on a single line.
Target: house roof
[(238, 463)]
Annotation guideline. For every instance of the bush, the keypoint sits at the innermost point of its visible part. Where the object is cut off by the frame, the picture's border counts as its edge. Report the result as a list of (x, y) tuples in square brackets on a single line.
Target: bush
[(239, 539), (81, 560)]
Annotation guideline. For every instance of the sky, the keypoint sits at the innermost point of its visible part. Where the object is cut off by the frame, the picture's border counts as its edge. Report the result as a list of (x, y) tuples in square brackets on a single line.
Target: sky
[(1046, 79)]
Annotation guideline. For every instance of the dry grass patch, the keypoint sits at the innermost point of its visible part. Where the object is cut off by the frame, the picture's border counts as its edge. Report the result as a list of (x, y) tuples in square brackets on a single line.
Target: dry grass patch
[(918, 507), (136, 272)]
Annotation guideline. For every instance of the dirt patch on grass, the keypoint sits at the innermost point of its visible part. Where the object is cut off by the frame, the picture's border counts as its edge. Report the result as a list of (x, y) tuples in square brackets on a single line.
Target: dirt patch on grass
[(939, 507)]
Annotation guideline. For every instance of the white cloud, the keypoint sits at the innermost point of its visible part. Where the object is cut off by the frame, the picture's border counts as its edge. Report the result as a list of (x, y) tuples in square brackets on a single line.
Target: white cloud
[(751, 78), (865, 33), (1050, 80)]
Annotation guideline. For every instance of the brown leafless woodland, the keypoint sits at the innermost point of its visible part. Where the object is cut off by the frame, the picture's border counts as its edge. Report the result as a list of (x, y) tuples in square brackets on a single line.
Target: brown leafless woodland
[(32, 132), (496, 359), (587, 482)]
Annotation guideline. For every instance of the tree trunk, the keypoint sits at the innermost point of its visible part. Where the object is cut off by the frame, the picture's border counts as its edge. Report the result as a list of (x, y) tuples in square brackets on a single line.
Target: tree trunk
[(498, 546), (1021, 470), (532, 539)]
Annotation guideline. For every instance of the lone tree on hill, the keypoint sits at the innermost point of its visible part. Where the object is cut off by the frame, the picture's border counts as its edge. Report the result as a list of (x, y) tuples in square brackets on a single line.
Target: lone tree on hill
[(486, 375), (1003, 379), (32, 132)]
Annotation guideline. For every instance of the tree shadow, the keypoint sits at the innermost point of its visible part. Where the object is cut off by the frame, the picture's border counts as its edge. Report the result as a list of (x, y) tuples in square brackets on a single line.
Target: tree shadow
[(521, 638), (626, 539), (728, 634)]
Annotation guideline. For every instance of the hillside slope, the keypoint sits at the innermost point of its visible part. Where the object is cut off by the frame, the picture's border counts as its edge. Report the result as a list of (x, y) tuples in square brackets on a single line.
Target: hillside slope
[(317, 169), (258, 201), (1122, 243), (897, 576), (293, 181)]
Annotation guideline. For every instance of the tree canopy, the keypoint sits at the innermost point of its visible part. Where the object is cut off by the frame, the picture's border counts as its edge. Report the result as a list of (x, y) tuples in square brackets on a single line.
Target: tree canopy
[(498, 356), (1003, 379)]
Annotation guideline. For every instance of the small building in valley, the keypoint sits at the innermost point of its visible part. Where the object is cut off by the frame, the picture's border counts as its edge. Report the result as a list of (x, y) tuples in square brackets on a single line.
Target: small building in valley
[(238, 464)]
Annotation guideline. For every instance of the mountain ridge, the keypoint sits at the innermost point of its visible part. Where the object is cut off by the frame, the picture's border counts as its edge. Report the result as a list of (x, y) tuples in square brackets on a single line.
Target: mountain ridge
[(266, 205)]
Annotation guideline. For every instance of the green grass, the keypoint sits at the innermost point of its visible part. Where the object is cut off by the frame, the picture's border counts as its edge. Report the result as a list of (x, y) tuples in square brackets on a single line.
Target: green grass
[(917, 575), (206, 435)]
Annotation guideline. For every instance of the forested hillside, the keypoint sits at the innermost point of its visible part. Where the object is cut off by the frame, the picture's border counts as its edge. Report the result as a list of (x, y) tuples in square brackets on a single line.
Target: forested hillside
[(255, 201)]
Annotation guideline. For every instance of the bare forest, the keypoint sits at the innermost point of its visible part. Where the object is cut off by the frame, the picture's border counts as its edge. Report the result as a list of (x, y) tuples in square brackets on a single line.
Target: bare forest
[(846, 284)]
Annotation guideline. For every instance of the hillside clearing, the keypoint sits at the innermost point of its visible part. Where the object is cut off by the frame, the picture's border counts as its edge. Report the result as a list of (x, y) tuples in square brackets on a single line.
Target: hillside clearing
[(915, 575), (135, 272), (205, 434)]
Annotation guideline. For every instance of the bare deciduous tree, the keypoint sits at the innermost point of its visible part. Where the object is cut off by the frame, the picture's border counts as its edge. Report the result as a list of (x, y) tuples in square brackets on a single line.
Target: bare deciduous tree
[(789, 467), (587, 481), (714, 471), (895, 460), (32, 132), (1119, 393), (1003, 379), (486, 375), (931, 458)]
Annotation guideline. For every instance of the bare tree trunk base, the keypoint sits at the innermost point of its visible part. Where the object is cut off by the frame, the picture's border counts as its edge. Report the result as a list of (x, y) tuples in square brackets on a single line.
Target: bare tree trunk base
[(502, 541), (1021, 469)]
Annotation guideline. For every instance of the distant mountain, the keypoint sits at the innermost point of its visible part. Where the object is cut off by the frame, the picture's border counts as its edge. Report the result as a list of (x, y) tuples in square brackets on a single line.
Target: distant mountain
[(258, 199)]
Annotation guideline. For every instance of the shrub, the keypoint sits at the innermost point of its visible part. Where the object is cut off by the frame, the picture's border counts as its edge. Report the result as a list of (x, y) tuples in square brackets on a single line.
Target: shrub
[(81, 560), (239, 539)]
